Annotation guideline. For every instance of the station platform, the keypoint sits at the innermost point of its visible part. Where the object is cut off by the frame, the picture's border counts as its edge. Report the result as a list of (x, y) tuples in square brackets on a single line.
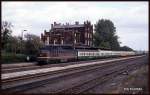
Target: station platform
[(51, 69)]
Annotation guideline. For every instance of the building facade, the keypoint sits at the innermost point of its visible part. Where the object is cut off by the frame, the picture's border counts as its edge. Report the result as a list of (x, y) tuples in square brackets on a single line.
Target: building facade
[(76, 34)]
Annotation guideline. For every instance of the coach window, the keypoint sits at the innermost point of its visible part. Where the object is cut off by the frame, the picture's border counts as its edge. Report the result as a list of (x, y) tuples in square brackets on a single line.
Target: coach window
[(54, 41), (97, 54), (75, 41), (80, 54)]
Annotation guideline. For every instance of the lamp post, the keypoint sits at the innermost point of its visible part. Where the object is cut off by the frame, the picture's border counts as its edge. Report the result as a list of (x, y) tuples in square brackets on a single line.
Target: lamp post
[(22, 41), (22, 34)]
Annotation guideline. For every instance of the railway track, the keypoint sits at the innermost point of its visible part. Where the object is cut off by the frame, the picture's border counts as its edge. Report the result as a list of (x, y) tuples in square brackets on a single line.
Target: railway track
[(65, 71), (55, 86), (57, 76), (59, 71), (25, 67), (16, 65), (90, 84), (86, 84)]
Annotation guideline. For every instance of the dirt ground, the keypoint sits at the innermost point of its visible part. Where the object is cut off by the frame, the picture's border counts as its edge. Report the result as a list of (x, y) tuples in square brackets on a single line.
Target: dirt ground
[(135, 83)]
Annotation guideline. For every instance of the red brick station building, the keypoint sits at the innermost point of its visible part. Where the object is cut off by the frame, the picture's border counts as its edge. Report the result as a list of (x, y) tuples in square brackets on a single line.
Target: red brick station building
[(75, 35)]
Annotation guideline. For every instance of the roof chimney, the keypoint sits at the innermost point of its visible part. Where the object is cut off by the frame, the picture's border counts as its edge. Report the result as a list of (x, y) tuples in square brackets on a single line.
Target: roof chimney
[(51, 25), (44, 31), (67, 23), (54, 23), (77, 23)]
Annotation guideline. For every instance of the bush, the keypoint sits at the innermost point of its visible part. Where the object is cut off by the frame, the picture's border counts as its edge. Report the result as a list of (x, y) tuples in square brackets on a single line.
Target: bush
[(9, 57)]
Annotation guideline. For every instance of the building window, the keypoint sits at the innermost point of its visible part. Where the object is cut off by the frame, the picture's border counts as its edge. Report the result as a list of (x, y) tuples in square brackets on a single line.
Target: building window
[(62, 42), (75, 41), (90, 35), (85, 34), (47, 41), (54, 41)]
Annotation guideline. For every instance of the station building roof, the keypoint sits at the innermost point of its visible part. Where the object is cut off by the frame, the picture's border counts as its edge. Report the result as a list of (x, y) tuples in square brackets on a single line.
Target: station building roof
[(68, 26)]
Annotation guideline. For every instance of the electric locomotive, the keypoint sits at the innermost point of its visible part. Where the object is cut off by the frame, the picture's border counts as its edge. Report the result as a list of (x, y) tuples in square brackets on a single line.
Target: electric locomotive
[(56, 53)]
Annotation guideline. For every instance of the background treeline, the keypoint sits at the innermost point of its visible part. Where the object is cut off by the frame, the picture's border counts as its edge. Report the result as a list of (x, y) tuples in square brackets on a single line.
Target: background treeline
[(17, 48), (105, 36)]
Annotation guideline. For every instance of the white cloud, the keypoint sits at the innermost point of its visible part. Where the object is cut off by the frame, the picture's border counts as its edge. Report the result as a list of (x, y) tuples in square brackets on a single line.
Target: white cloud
[(128, 17)]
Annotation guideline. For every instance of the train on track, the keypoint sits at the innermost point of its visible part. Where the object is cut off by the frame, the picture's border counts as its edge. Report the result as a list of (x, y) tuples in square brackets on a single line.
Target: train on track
[(64, 53)]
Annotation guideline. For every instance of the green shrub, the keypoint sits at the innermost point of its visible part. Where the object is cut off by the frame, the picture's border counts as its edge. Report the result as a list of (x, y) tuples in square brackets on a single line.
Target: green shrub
[(9, 57)]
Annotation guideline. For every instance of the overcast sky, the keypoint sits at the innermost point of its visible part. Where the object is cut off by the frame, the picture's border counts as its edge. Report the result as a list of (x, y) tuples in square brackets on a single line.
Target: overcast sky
[(130, 18)]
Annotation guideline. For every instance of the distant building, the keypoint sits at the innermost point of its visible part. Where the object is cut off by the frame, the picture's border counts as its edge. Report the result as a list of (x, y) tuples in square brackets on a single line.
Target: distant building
[(76, 34)]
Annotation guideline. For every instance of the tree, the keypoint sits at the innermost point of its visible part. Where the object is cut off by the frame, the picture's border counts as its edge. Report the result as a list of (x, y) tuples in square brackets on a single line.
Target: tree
[(15, 45), (11, 45), (5, 33), (126, 48), (32, 44), (105, 35)]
